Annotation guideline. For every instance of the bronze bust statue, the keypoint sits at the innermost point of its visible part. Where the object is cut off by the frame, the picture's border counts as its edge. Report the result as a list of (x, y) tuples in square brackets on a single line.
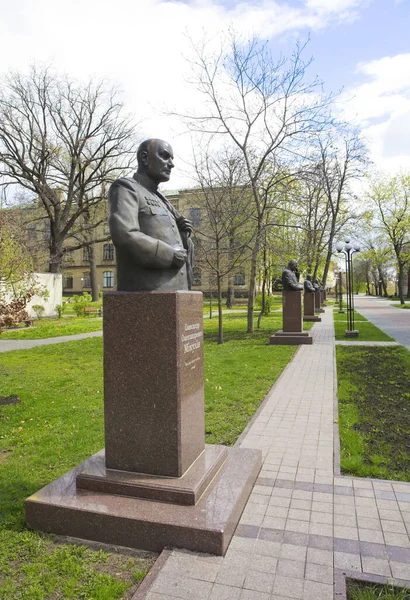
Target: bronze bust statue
[(153, 243), (290, 277), (308, 285)]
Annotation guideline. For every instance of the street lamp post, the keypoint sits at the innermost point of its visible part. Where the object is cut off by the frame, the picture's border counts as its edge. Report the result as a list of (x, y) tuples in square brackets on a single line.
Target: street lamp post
[(348, 250), (341, 311)]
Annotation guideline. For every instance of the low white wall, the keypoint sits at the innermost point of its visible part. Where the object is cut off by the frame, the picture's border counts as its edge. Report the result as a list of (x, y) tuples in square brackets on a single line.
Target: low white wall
[(53, 283)]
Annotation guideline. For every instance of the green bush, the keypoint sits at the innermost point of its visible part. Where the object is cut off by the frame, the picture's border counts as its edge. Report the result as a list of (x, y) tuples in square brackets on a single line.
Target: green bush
[(269, 303), (39, 310), (60, 309)]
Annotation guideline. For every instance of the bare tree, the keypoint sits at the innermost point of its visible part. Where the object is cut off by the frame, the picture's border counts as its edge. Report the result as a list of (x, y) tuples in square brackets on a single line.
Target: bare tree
[(266, 109), (341, 160), (63, 142), (224, 234)]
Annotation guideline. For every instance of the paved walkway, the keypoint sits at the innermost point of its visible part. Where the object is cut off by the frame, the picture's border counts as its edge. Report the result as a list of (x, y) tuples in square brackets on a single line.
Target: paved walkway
[(393, 321), (304, 527), (7, 345)]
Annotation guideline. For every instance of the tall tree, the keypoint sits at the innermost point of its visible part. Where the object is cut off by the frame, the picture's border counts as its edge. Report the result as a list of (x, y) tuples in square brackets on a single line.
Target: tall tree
[(341, 159), (268, 111), (391, 198), (63, 141)]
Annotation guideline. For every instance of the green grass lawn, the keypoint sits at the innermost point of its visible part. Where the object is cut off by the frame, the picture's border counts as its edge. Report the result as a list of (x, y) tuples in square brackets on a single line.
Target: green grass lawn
[(367, 331), (360, 590), (59, 423), (45, 328), (374, 411)]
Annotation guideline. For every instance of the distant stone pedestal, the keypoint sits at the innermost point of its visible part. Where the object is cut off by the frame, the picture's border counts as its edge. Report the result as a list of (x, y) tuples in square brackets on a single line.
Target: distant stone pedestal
[(322, 298), (292, 332), (157, 484), (318, 302), (309, 308)]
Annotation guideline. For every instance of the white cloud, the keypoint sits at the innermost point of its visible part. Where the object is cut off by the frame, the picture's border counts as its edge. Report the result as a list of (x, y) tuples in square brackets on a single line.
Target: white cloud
[(141, 44), (381, 106)]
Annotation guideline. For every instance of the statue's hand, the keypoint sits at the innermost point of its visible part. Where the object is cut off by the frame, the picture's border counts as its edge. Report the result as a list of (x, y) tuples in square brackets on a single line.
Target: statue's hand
[(180, 256), (184, 224)]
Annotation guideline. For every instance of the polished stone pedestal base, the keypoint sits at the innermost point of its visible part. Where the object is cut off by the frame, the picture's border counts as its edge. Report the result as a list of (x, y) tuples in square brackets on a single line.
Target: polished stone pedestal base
[(289, 338), (187, 489), (64, 509), (311, 319)]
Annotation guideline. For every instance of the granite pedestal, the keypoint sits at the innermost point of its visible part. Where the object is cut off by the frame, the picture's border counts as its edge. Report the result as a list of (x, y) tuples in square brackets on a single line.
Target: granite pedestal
[(292, 332), (156, 484), (318, 302), (309, 308)]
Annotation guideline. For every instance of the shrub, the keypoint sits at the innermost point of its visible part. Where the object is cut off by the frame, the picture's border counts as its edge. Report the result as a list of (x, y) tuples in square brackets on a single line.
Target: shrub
[(269, 302), (60, 309), (39, 310)]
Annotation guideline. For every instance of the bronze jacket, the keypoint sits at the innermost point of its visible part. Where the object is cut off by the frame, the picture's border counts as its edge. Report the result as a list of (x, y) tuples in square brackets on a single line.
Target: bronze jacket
[(290, 281), (145, 233)]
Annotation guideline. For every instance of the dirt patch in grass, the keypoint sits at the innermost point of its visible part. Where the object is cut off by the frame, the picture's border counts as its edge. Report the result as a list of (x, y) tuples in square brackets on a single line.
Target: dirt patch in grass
[(374, 411)]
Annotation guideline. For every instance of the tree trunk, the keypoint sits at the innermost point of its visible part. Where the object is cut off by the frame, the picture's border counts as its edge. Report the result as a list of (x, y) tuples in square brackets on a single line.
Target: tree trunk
[(252, 284), (408, 282), (263, 307), (220, 329), (265, 274), (93, 274), (230, 294), (401, 282), (56, 254)]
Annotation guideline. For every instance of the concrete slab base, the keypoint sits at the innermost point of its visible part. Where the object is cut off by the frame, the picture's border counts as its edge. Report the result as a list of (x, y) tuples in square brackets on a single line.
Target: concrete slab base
[(208, 526), (312, 318), (289, 338), (351, 334)]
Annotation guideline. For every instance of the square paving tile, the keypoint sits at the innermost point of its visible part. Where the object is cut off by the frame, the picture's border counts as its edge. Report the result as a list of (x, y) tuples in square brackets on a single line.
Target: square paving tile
[(314, 590), (259, 581), (288, 587), (376, 566)]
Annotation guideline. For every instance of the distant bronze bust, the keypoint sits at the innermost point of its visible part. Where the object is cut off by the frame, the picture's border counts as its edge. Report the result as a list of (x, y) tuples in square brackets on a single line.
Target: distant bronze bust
[(308, 285), (153, 243), (290, 278)]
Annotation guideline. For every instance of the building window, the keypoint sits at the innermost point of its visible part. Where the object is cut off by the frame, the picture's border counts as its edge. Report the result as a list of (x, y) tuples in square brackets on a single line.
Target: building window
[(86, 280), (195, 216), (196, 276), (68, 256), (108, 251), (86, 253), (108, 279), (68, 282), (239, 279)]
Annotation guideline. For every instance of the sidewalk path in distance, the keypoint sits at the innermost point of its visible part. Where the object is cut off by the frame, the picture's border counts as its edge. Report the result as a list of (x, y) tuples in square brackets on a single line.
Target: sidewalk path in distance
[(7, 345), (393, 321)]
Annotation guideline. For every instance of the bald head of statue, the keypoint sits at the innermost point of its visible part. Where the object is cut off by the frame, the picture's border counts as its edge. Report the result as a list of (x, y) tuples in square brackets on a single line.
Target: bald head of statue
[(155, 160)]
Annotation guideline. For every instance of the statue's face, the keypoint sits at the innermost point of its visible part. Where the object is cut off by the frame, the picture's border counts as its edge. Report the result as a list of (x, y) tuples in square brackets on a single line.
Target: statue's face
[(159, 163), (292, 265)]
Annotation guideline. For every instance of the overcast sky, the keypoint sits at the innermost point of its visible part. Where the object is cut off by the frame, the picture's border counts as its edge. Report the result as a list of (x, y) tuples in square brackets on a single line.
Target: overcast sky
[(360, 46)]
